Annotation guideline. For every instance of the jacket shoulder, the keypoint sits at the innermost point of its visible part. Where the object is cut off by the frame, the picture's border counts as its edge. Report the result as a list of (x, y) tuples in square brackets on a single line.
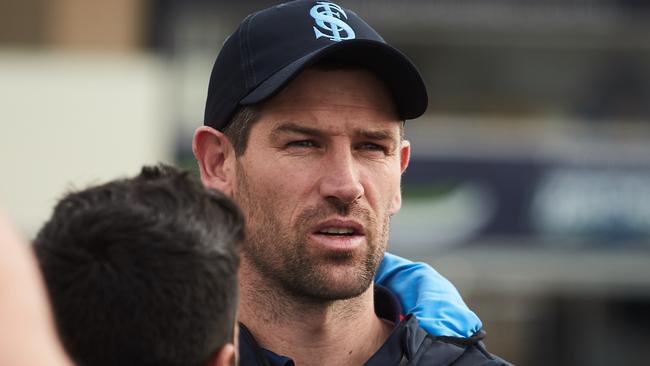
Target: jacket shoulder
[(435, 351), (426, 349)]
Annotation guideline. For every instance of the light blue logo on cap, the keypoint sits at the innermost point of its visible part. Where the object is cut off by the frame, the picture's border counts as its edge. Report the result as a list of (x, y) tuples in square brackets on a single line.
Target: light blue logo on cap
[(329, 23)]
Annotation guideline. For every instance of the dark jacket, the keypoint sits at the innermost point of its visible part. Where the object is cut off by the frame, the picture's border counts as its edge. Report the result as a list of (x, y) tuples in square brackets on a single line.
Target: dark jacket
[(408, 344)]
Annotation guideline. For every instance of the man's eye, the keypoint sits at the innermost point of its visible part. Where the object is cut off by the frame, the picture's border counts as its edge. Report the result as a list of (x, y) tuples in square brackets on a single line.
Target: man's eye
[(369, 146), (302, 143)]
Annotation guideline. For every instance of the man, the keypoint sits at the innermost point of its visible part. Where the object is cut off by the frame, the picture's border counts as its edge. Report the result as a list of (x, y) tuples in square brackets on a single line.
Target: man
[(304, 129), (27, 335), (143, 271)]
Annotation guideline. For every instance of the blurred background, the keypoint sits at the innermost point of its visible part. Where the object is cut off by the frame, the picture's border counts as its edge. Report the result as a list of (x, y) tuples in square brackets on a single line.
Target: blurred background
[(529, 186)]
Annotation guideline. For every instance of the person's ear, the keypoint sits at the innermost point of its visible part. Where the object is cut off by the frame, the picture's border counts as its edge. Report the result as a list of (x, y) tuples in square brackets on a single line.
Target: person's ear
[(404, 157), (225, 356), (216, 158)]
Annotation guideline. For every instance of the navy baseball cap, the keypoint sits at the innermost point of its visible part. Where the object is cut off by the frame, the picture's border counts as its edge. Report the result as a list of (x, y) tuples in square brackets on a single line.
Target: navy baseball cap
[(272, 46)]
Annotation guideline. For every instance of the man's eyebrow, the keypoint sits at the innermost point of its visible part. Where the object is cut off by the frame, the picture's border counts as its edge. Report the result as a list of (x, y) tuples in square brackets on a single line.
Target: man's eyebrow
[(292, 127), (377, 134)]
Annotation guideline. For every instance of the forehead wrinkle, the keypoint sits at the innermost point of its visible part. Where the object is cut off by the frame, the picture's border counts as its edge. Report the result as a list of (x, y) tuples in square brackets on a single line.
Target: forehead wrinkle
[(294, 127), (334, 107), (328, 102)]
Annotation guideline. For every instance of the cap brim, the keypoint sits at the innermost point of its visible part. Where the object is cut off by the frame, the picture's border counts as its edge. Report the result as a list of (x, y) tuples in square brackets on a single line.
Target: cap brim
[(389, 64)]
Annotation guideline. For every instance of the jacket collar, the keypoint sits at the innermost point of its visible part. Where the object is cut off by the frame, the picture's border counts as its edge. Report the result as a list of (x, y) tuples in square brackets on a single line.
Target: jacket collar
[(406, 342)]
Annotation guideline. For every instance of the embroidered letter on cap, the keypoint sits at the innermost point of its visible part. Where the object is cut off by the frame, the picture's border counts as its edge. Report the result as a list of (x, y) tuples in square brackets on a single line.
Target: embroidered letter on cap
[(328, 22)]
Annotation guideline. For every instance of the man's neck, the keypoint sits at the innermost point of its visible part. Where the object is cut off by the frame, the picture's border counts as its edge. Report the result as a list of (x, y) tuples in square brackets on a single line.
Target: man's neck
[(342, 332)]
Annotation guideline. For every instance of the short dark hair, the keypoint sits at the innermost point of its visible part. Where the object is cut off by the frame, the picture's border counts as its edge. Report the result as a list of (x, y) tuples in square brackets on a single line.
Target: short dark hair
[(238, 130), (143, 271)]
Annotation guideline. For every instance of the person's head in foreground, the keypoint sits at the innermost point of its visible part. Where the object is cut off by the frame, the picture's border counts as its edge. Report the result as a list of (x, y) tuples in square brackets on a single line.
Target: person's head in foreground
[(304, 129), (143, 271)]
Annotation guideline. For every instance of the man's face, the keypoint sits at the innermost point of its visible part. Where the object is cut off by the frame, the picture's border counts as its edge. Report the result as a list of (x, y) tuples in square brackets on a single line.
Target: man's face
[(318, 182)]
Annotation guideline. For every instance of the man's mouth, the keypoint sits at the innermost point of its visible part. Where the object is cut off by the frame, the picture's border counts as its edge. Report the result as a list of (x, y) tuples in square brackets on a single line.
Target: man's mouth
[(339, 227), (337, 231), (341, 235)]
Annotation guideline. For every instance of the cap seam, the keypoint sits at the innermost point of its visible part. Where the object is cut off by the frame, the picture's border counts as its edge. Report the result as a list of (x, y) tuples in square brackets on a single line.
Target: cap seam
[(246, 50), (242, 49), (242, 54)]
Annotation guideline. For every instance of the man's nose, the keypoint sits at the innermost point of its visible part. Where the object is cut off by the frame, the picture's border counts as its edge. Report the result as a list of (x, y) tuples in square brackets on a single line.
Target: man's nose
[(340, 179)]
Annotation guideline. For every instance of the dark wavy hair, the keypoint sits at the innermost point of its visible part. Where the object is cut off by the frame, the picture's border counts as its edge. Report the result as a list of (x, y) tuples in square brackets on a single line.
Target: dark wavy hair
[(143, 271)]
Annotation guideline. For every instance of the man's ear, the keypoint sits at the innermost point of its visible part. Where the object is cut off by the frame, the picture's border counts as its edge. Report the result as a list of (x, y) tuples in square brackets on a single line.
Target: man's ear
[(216, 158), (224, 356), (404, 157)]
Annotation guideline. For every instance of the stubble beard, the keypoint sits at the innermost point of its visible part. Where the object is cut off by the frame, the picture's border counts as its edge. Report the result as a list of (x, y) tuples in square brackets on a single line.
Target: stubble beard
[(281, 255)]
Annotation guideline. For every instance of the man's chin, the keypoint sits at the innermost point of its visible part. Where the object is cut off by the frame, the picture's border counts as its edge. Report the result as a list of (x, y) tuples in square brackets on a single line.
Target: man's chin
[(331, 284), (328, 294)]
